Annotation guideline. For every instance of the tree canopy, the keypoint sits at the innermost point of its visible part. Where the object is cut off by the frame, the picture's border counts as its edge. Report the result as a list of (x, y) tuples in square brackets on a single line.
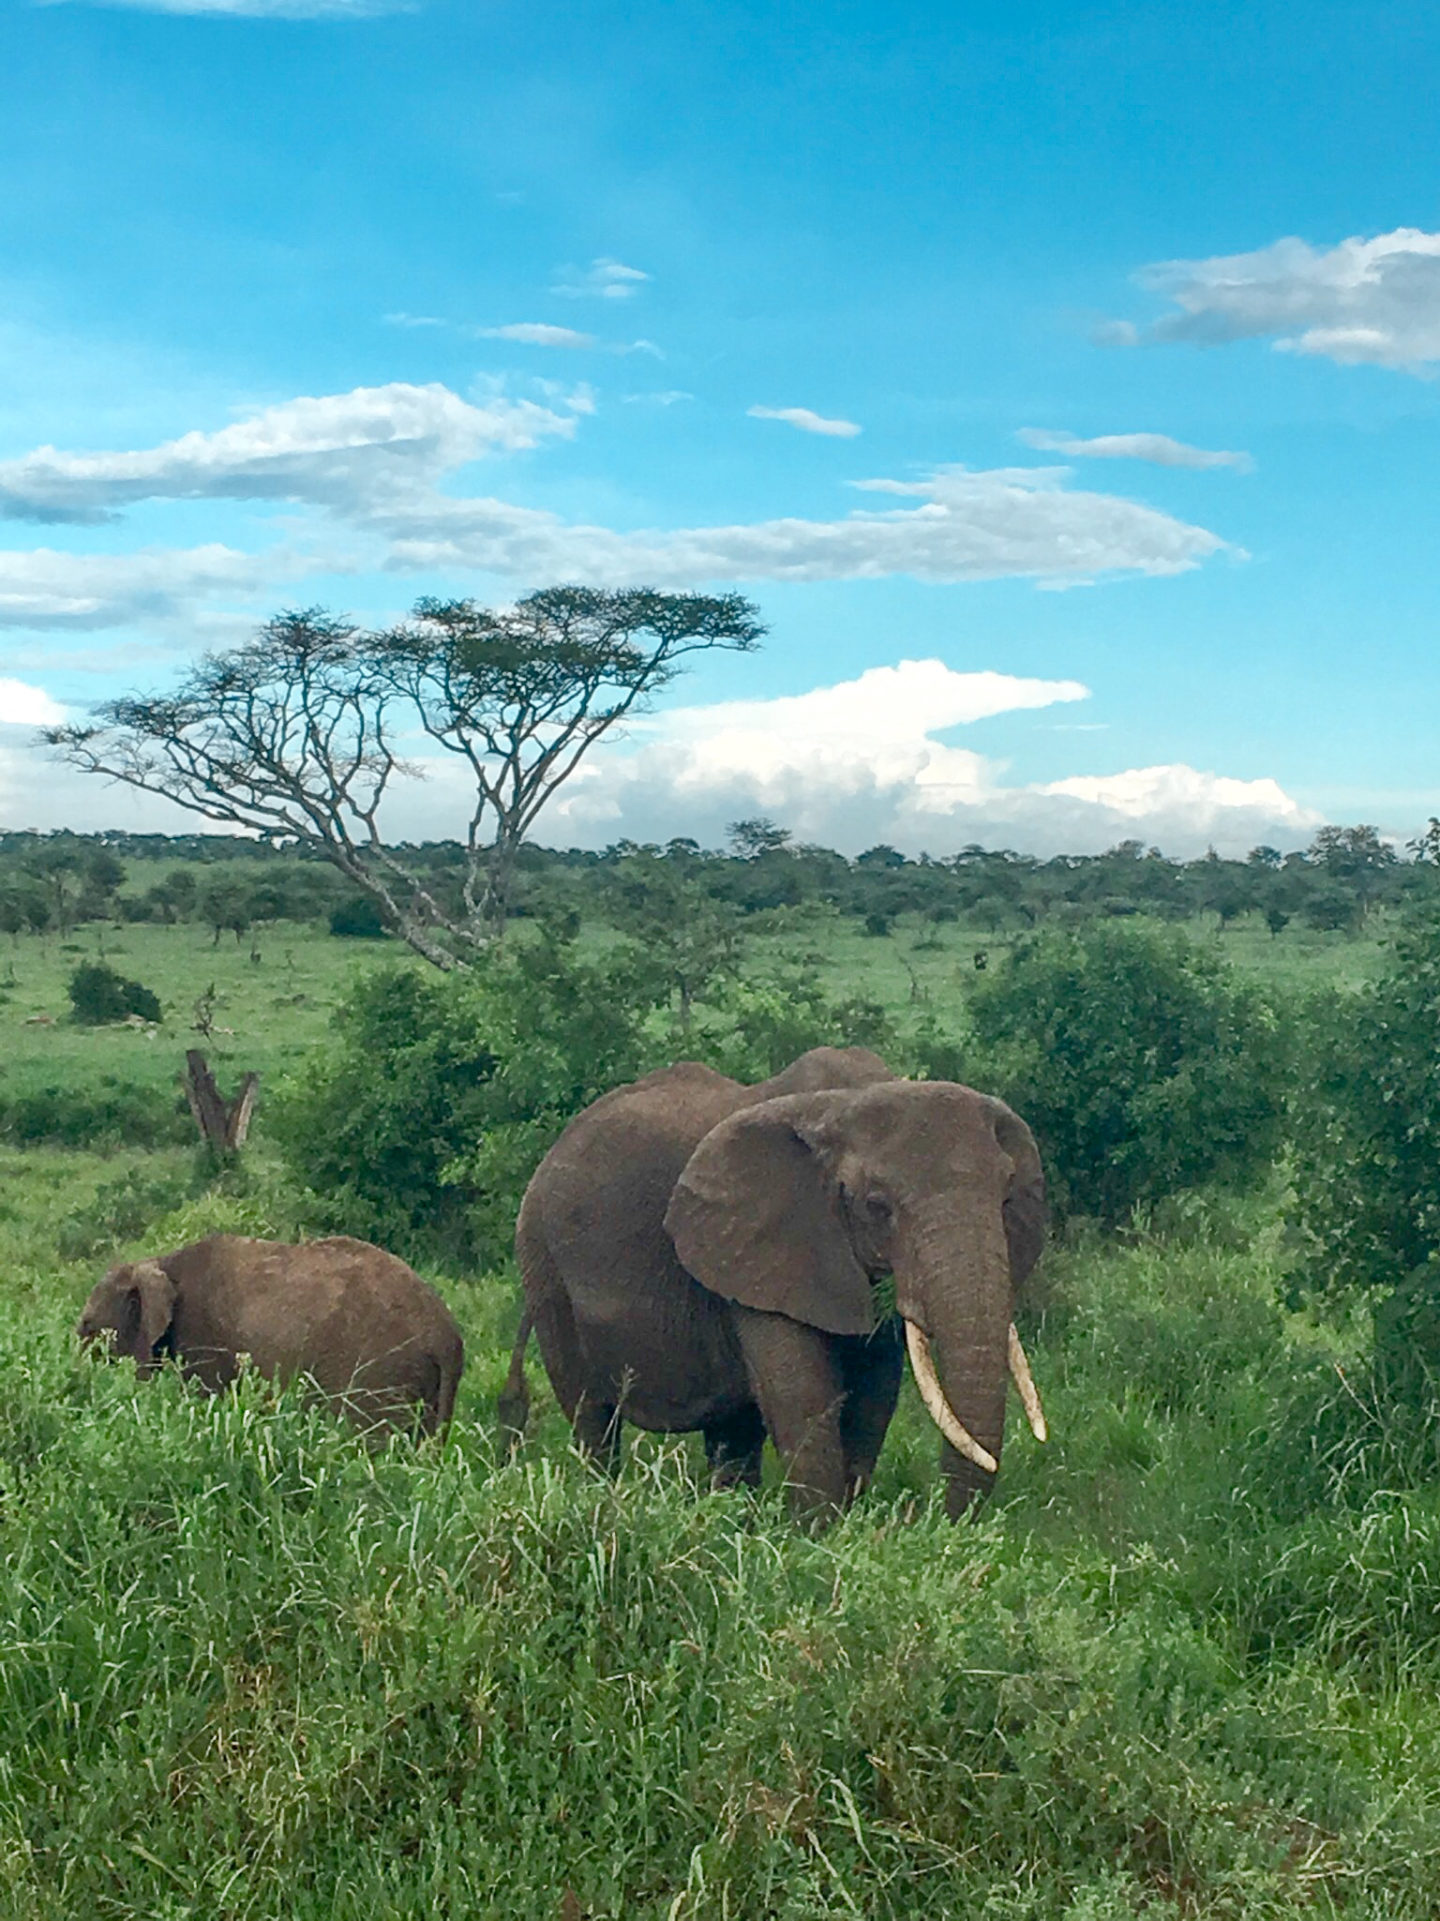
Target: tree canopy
[(300, 734)]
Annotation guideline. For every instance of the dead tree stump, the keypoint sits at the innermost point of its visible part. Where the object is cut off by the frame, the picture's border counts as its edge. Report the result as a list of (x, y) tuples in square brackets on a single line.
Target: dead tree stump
[(223, 1124)]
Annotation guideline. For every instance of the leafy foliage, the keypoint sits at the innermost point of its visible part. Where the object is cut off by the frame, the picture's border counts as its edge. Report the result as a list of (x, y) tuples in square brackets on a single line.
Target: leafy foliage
[(1141, 1064), (421, 1122), (98, 996), (1368, 1162), (358, 918), (764, 1019)]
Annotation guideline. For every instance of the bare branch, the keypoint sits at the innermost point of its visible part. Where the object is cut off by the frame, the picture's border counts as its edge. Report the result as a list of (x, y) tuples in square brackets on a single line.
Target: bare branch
[(296, 734)]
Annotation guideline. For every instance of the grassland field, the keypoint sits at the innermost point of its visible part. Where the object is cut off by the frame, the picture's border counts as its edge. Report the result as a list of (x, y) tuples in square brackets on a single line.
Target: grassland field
[(1184, 1665)]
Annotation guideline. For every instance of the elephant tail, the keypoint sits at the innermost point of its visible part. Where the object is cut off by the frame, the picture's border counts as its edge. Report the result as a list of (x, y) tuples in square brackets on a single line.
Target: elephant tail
[(513, 1406)]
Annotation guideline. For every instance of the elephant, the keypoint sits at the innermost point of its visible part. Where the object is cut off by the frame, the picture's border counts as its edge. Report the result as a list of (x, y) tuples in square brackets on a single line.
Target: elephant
[(698, 1254), (374, 1337)]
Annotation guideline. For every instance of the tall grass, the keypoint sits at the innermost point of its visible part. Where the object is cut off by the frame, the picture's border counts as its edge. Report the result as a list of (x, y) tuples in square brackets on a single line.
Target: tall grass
[(1184, 1664)]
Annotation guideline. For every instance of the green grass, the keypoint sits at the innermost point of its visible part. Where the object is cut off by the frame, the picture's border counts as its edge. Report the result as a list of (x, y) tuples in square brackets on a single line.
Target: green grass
[(1185, 1664), (266, 1014)]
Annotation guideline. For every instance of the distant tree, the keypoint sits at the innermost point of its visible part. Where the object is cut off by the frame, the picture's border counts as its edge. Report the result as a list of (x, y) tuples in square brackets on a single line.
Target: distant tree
[(1356, 858), (1426, 846), (882, 855), (297, 735), (688, 935), (226, 905), (751, 838), (58, 866)]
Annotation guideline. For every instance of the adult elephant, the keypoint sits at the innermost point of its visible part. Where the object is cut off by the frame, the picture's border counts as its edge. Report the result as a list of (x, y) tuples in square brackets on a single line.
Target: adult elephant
[(697, 1254), (372, 1335)]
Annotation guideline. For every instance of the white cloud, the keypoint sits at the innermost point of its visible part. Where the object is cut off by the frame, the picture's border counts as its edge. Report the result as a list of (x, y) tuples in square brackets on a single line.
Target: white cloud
[(374, 462), (603, 279), (1363, 301), (412, 320), (332, 449), (807, 422), (970, 526), (45, 588), (668, 398), (257, 9), (538, 333), (1159, 448), (858, 762), (22, 705)]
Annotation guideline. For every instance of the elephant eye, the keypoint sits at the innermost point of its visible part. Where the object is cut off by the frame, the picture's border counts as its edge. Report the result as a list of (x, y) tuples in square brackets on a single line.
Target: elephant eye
[(878, 1208)]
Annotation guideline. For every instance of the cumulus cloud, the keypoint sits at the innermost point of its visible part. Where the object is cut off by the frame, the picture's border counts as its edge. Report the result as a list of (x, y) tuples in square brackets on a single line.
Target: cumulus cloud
[(969, 526), (1159, 448), (603, 279), (807, 422), (333, 449), (1362, 301), (860, 761), (22, 705), (538, 333)]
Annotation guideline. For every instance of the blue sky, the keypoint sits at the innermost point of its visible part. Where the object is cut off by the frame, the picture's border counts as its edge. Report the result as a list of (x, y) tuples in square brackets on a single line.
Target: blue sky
[(1057, 378)]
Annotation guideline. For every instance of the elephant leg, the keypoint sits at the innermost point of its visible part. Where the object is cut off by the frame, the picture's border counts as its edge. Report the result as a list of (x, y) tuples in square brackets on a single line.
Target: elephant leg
[(594, 1421), (733, 1448), (798, 1384), (872, 1368), (596, 1428)]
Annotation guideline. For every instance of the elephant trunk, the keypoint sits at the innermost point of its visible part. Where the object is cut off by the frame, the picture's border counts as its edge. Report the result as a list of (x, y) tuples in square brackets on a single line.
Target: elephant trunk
[(960, 1291)]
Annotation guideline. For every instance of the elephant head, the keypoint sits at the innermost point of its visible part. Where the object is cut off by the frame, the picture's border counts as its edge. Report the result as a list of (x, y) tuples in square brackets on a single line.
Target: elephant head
[(133, 1306), (796, 1205)]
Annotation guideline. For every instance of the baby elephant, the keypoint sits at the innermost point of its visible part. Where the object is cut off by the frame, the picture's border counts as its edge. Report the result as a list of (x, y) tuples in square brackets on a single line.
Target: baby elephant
[(375, 1337)]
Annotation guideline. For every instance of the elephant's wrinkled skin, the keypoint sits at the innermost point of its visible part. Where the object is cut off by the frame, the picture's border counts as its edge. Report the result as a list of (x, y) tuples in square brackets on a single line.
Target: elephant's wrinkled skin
[(375, 1338), (697, 1254)]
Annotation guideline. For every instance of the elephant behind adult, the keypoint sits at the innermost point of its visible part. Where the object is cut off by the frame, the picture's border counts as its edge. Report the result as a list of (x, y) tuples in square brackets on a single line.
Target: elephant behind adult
[(697, 1254), (375, 1338)]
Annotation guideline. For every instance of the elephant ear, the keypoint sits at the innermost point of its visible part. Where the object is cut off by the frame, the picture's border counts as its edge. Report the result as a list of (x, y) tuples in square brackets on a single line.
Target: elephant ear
[(148, 1307), (754, 1219), (1026, 1214)]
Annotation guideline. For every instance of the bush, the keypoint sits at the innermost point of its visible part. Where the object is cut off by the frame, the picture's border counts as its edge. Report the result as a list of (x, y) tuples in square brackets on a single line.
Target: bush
[(421, 1121), (1368, 1153), (112, 1114), (764, 1021), (99, 996), (1140, 1062), (358, 918)]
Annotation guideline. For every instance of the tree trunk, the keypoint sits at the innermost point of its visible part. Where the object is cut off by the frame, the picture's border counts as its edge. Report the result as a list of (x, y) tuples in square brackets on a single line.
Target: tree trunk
[(223, 1125)]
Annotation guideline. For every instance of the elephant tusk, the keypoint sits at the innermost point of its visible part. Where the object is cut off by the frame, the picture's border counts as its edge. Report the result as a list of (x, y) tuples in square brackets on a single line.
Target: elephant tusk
[(938, 1408), (1025, 1385)]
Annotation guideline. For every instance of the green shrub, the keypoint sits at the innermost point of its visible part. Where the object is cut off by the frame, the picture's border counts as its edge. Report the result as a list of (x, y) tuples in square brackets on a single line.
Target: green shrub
[(419, 1123), (100, 996), (759, 1023), (1368, 1156), (358, 918), (113, 1113), (1141, 1063)]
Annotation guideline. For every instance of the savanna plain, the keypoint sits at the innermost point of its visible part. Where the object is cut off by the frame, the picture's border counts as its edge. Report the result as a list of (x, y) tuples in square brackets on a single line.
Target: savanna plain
[(1184, 1663)]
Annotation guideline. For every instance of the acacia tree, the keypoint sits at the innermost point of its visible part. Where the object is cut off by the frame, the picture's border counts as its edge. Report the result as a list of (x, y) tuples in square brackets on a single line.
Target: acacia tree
[(300, 734)]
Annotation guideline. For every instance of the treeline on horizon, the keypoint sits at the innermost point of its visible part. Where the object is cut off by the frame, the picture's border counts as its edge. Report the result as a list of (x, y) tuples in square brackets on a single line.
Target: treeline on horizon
[(57, 880)]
